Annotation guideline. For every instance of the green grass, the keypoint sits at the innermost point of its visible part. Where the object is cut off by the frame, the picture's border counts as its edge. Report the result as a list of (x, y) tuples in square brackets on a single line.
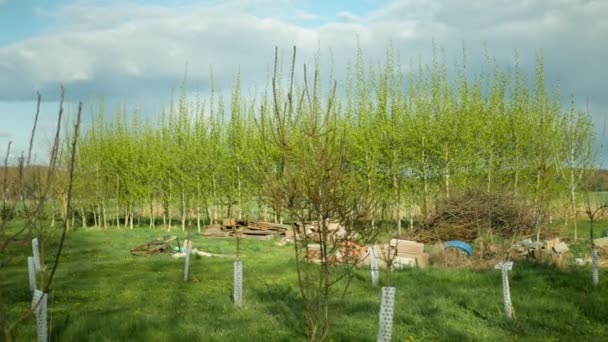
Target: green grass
[(102, 293)]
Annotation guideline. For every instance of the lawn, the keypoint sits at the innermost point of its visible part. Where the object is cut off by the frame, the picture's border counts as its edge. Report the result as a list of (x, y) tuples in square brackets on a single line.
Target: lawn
[(102, 293)]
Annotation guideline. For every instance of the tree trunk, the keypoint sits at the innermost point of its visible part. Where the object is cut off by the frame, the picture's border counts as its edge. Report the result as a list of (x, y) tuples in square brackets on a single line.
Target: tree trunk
[(103, 215), (214, 200), (198, 218), (240, 192), (447, 172), (95, 217), (83, 217), (573, 203), (198, 207), (183, 210), (117, 202), (152, 218)]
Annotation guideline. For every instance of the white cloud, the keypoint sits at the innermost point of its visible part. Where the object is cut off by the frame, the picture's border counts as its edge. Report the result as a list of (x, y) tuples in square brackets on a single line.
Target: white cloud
[(305, 15), (129, 48)]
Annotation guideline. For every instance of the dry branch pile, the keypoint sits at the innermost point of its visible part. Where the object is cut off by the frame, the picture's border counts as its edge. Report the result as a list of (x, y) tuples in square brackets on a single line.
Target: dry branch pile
[(466, 216)]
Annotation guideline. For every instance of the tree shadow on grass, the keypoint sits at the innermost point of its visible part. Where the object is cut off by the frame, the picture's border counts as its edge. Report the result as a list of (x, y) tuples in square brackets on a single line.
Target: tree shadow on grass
[(286, 305)]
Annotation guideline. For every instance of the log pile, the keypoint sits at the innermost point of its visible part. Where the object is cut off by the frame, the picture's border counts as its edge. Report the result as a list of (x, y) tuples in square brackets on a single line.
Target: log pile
[(249, 230)]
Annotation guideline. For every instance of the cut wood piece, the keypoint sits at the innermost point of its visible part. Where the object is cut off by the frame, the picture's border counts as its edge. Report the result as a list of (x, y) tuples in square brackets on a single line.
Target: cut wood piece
[(269, 226), (160, 245), (258, 237), (215, 230), (560, 248), (405, 250), (601, 242), (549, 244), (228, 222), (405, 247), (259, 232)]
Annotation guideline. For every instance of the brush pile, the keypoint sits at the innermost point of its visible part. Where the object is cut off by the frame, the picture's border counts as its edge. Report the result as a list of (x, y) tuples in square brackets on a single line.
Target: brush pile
[(467, 215)]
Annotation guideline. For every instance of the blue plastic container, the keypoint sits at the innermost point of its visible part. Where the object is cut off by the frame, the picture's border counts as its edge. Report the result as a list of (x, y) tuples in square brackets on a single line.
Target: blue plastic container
[(461, 245)]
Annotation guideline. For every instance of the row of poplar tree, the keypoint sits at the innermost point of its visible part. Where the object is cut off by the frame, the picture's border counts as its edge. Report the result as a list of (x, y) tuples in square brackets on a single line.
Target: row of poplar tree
[(401, 137)]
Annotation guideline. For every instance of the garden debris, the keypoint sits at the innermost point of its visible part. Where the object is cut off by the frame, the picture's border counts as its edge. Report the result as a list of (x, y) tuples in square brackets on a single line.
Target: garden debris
[(450, 258), (346, 252), (351, 252), (408, 253), (601, 243), (245, 229), (156, 246), (201, 253), (215, 230), (312, 230), (400, 254), (284, 240), (463, 216), (554, 249)]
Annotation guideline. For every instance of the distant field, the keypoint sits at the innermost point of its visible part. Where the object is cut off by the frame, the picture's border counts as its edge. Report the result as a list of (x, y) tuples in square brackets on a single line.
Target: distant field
[(102, 293)]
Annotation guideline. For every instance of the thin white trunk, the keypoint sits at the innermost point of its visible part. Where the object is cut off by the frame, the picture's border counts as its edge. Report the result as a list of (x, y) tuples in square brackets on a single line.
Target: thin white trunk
[(117, 202), (104, 217), (198, 207), (213, 204), (52, 213), (240, 192), (425, 202), (169, 208), (573, 194), (489, 188), (84, 219), (152, 214), (183, 211), (447, 172), (95, 221), (198, 219)]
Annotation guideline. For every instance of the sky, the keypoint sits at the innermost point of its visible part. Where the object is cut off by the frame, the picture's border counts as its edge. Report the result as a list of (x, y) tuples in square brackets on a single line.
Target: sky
[(134, 52)]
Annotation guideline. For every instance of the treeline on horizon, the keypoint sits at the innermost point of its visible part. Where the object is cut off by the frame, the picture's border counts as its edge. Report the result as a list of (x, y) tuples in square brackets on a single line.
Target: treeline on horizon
[(406, 136)]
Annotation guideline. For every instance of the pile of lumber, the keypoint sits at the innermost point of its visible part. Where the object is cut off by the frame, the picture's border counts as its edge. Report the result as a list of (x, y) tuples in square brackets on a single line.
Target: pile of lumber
[(265, 230), (245, 229)]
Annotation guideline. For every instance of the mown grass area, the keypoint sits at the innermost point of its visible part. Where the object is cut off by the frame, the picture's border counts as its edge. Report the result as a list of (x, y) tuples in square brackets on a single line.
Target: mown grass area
[(102, 293)]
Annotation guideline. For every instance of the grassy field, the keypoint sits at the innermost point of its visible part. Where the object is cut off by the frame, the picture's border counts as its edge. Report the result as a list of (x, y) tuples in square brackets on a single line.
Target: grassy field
[(102, 293)]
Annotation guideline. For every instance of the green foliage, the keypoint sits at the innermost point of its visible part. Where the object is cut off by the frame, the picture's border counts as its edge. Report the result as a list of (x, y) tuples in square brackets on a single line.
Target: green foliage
[(411, 136)]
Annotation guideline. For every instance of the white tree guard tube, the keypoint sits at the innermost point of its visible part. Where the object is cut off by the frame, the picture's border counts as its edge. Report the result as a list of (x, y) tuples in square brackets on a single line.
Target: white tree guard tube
[(187, 248), (36, 252), (385, 324), (237, 292), (373, 262), (505, 267), (594, 262), (31, 271), (39, 305)]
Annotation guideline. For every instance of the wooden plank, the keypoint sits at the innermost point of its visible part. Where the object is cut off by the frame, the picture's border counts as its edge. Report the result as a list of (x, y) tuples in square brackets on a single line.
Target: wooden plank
[(258, 237), (260, 232)]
